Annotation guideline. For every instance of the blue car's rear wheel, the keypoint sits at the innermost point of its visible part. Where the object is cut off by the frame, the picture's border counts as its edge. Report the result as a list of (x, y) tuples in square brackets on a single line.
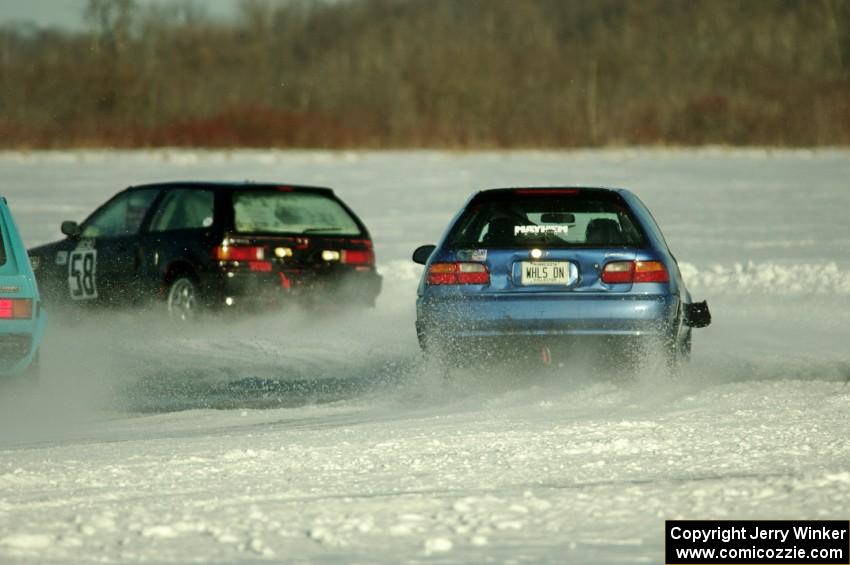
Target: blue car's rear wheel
[(678, 351)]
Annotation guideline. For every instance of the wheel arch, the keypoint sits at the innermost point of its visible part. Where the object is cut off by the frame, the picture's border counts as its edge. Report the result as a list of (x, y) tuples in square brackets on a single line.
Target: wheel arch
[(177, 269)]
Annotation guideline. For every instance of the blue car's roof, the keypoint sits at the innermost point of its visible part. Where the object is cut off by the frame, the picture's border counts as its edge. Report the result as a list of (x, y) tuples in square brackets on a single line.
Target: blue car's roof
[(544, 189), (508, 192)]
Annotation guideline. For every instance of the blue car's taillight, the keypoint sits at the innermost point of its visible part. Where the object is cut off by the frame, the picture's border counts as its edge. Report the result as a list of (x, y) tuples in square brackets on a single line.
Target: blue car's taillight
[(628, 272), (458, 273)]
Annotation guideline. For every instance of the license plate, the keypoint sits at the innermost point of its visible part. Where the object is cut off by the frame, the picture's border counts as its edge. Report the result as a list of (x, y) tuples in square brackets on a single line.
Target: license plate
[(545, 272)]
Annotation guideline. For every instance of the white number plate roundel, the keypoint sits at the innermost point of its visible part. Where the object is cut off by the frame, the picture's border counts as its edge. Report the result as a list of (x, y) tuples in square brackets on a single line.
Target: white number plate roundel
[(82, 268)]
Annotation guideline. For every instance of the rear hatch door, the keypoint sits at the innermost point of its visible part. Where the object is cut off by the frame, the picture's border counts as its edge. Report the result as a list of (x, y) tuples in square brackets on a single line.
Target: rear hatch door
[(556, 270)]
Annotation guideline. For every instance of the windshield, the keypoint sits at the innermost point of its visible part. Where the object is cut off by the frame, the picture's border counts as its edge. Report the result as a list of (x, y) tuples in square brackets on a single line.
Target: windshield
[(273, 211), (545, 220), (121, 216)]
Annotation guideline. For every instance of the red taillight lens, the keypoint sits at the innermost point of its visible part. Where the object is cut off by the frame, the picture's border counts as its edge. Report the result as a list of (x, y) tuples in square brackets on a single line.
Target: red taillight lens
[(619, 272), (473, 273), (15, 308), (357, 257), (443, 273), (458, 273), (650, 271), (239, 253)]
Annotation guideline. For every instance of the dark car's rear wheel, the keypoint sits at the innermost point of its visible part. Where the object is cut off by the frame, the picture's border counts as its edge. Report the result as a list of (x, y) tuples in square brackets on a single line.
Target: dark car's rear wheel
[(183, 299)]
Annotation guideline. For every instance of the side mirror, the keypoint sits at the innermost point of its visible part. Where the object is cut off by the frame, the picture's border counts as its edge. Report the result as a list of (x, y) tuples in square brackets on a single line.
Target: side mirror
[(422, 253), (71, 229), (697, 315)]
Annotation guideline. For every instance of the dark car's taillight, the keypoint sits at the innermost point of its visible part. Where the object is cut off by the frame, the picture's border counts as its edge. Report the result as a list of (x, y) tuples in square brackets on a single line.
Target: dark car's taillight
[(357, 257), (364, 257), (251, 255), (239, 253), (458, 273), (628, 272)]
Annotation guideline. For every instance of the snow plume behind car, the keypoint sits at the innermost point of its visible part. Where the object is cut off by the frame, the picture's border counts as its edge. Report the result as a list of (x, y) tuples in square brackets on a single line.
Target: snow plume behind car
[(695, 196)]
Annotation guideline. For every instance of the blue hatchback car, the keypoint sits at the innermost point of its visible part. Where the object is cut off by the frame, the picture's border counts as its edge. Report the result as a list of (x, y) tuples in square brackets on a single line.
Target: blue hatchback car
[(22, 320), (537, 271)]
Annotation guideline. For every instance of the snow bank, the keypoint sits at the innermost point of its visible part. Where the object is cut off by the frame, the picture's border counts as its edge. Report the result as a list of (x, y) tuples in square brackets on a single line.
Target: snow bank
[(773, 278)]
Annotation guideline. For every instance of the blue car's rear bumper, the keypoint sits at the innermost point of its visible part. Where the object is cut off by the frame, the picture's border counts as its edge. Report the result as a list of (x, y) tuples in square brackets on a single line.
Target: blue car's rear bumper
[(547, 315)]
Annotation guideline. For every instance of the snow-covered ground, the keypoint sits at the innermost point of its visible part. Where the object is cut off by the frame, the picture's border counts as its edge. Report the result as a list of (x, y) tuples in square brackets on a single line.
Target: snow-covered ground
[(322, 438)]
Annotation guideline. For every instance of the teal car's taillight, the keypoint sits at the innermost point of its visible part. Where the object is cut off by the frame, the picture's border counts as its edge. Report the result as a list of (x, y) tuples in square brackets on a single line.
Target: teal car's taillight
[(15, 308)]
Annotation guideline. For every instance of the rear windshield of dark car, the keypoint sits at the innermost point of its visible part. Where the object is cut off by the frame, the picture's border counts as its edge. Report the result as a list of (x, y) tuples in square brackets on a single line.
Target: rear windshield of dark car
[(275, 211), (547, 218)]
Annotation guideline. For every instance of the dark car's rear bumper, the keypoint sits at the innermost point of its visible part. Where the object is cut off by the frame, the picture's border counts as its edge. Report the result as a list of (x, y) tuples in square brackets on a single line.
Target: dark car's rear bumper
[(248, 288)]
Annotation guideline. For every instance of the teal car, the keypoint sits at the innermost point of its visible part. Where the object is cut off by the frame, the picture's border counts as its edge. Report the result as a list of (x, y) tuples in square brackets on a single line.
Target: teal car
[(22, 320)]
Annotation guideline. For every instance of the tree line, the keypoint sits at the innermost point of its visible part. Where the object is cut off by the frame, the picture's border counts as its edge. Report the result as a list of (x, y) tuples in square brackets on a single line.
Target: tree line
[(432, 73)]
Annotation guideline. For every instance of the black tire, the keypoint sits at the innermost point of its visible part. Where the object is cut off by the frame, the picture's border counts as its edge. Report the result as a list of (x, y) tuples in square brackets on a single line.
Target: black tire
[(436, 354), (678, 352), (685, 349), (183, 301)]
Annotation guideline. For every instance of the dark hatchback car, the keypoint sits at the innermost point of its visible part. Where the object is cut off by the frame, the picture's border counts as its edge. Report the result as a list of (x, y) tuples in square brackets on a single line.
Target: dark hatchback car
[(204, 245)]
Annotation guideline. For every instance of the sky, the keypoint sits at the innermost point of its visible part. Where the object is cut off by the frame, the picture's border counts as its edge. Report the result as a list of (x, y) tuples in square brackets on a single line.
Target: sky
[(69, 13)]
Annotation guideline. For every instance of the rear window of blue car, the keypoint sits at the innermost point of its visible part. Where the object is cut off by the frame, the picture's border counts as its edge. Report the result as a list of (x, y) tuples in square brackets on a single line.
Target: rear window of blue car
[(291, 212), (2, 250), (550, 218)]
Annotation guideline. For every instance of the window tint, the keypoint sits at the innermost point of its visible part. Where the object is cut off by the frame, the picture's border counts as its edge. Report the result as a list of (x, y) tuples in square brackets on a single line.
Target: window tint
[(552, 221), (2, 249), (184, 209), (122, 215), (272, 211)]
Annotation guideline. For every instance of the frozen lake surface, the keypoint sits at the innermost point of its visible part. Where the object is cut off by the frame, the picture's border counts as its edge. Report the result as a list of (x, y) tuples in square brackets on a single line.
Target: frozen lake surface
[(316, 437)]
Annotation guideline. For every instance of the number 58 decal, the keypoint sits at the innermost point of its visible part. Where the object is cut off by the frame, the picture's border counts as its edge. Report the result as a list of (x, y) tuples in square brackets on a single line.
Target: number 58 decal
[(82, 266)]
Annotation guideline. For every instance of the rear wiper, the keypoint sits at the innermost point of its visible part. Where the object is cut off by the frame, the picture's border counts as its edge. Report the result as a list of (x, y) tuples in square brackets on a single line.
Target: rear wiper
[(328, 228)]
